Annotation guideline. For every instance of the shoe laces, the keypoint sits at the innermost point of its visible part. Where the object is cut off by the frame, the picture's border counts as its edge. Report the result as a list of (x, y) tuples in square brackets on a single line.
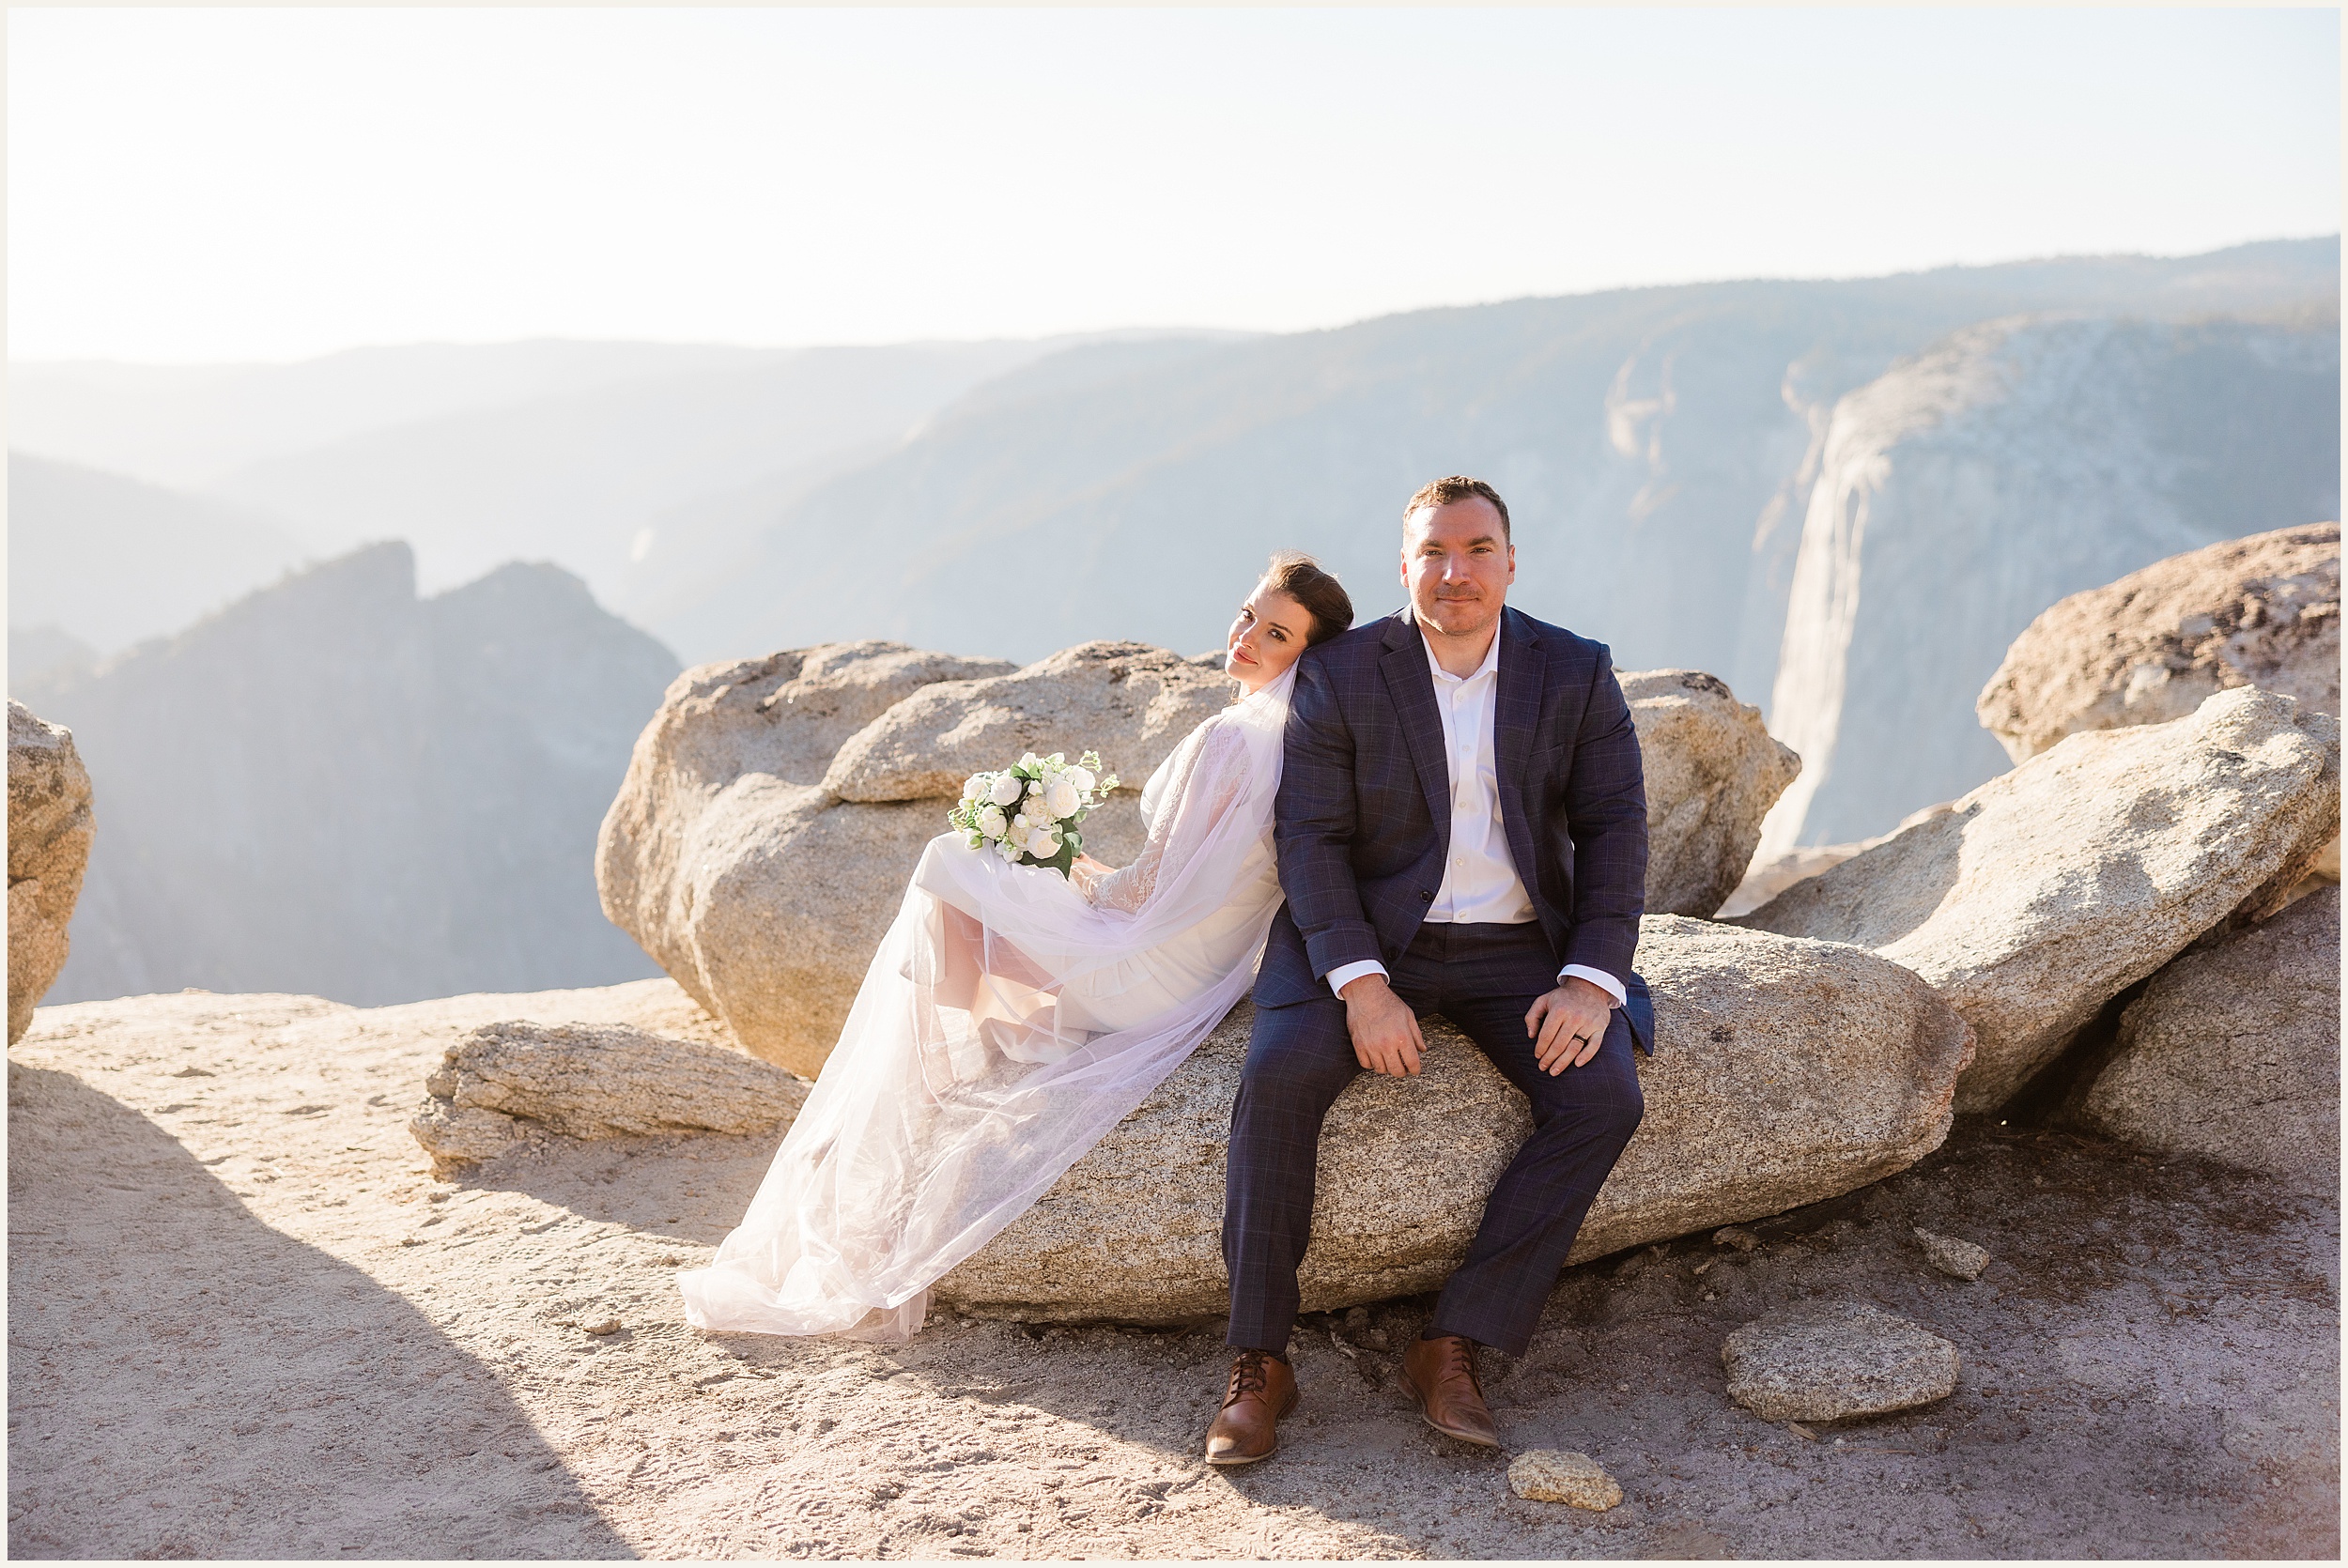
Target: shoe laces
[(1250, 1374), (1458, 1354)]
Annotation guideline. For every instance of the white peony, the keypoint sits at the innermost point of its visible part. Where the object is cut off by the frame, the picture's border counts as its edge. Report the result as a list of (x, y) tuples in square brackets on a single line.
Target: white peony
[(1035, 786), (1082, 779), (1061, 799), (973, 786), (1041, 844), (1031, 762), (1007, 790), (991, 821)]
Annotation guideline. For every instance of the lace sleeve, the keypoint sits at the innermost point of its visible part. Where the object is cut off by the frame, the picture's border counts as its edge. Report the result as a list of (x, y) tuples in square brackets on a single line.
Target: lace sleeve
[(1212, 752)]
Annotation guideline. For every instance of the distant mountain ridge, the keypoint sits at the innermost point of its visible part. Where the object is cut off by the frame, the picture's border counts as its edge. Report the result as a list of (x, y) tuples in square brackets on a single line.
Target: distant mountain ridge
[(335, 787)]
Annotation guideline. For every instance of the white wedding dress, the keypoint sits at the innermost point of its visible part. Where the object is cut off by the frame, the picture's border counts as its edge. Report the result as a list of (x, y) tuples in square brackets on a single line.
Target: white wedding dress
[(1007, 1021)]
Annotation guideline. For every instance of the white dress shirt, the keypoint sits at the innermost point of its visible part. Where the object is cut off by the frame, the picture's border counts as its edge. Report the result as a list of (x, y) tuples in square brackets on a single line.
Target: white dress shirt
[(1480, 885)]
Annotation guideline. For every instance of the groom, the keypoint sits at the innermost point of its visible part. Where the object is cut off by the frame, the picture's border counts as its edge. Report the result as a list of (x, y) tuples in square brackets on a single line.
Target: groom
[(1462, 829)]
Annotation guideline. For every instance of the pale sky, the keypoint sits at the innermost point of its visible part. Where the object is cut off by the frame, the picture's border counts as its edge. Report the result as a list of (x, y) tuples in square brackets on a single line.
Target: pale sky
[(194, 185)]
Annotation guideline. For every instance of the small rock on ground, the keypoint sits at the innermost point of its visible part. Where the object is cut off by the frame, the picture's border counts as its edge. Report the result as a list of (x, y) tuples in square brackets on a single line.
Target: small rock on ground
[(1737, 1237), (1960, 1260), (1830, 1360), (1547, 1475)]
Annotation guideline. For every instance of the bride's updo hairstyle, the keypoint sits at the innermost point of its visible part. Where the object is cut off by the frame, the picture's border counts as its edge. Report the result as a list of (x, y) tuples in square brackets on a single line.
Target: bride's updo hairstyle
[(1301, 578)]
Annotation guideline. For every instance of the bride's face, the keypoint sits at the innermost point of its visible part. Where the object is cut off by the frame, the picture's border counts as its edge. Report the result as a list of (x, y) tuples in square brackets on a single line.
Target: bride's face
[(1265, 638)]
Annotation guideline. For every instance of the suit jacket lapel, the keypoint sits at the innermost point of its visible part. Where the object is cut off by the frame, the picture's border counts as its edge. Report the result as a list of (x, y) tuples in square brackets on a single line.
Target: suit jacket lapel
[(1516, 717), (1404, 666)]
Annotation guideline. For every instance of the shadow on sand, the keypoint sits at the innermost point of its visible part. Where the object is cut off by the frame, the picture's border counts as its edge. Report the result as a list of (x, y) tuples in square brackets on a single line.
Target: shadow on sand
[(185, 1381)]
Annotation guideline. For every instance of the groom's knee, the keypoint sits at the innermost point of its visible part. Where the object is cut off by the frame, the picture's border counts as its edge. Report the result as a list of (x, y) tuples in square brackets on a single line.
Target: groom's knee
[(1299, 1050), (1620, 1114), (1598, 1101)]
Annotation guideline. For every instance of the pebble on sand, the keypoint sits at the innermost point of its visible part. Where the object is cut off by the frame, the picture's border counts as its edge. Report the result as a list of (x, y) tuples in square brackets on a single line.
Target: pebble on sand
[(1547, 1475), (1830, 1360), (1960, 1260)]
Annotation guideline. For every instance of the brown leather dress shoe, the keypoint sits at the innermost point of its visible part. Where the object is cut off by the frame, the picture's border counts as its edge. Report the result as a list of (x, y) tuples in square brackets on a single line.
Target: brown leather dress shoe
[(1441, 1374), (1263, 1388)]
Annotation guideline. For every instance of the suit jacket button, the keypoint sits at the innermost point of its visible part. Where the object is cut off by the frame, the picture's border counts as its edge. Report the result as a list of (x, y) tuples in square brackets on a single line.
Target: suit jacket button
[(1425, 897)]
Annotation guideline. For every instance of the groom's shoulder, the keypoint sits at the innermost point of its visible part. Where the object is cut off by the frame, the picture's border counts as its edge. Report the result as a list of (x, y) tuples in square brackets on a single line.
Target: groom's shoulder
[(1363, 644), (1557, 641)]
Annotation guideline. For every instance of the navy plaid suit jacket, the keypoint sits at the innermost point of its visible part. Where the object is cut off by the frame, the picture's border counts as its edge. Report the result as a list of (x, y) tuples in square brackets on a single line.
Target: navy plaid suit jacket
[(1363, 822)]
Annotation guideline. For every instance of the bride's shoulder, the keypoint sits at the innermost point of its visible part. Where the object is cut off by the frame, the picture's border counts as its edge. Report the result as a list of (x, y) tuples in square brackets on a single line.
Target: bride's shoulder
[(1215, 736)]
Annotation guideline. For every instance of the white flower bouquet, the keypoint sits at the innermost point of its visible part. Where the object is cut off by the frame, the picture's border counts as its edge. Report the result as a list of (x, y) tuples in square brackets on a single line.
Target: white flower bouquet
[(1027, 813)]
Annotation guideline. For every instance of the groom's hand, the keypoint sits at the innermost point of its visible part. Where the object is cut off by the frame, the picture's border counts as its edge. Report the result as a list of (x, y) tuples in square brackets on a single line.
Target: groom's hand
[(1568, 1024), (1384, 1030)]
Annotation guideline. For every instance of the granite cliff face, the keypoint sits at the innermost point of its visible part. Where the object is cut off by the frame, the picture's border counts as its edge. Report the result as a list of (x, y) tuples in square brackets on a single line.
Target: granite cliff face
[(1968, 488), (335, 786)]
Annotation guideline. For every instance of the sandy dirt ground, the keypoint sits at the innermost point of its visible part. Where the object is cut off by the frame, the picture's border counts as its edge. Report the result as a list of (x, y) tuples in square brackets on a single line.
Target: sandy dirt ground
[(244, 1320)]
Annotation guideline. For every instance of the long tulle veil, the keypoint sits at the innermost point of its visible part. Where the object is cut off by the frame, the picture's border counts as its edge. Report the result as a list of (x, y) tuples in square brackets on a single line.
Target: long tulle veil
[(963, 1083)]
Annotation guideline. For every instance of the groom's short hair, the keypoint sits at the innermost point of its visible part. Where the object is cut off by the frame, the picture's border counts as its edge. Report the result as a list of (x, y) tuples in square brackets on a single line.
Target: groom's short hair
[(1459, 487)]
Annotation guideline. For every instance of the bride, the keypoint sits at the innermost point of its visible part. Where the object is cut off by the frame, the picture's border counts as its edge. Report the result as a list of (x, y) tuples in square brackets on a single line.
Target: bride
[(1011, 1017)]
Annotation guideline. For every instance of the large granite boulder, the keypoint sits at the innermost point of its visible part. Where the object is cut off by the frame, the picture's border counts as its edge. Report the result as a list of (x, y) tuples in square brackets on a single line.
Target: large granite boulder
[(502, 1082), (1769, 875), (1712, 771), (49, 840), (761, 891), (2262, 612), (2048, 891), (762, 869), (1131, 702), (1785, 1072), (2232, 1050), (1712, 774)]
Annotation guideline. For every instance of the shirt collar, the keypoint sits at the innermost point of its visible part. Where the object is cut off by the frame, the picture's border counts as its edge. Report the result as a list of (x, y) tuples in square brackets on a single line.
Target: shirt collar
[(1434, 666)]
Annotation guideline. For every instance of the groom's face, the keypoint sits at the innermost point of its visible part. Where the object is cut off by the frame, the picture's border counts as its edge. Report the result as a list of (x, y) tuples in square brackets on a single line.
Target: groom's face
[(1457, 563)]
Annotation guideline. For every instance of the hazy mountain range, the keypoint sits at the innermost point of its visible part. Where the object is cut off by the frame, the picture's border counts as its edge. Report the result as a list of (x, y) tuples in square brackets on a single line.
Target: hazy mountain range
[(585, 453), (1844, 497), (731, 500), (337, 788)]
